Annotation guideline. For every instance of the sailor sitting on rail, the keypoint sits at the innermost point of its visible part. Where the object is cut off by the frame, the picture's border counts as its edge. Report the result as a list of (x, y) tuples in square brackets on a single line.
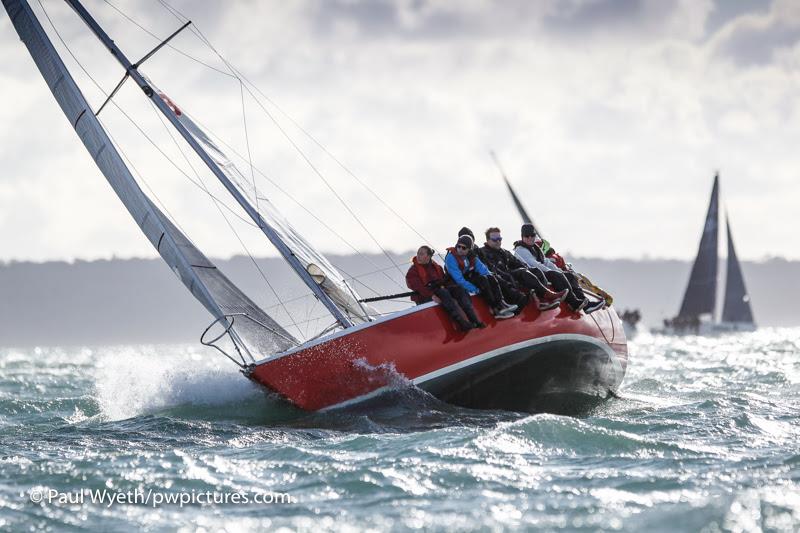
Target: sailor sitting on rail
[(468, 271), (531, 254), (428, 280), (514, 276), (580, 280)]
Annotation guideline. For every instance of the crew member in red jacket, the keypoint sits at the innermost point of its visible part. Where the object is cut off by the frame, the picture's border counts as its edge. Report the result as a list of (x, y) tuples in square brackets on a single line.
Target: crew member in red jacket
[(428, 280)]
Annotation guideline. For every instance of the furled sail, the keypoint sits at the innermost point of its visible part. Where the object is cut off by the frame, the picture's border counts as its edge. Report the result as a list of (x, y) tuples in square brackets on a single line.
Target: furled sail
[(317, 265), (207, 283), (737, 303), (700, 295)]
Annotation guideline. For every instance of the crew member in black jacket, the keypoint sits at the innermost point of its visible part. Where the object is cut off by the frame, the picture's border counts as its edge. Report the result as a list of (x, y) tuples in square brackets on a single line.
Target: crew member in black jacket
[(514, 275)]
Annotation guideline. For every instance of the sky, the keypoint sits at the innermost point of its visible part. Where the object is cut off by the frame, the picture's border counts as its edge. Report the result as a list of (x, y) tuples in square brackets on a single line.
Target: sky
[(609, 116)]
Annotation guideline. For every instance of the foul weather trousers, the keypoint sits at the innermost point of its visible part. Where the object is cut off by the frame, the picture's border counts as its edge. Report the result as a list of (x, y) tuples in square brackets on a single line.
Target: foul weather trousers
[(561, 281), (489, 287), (457, 303)]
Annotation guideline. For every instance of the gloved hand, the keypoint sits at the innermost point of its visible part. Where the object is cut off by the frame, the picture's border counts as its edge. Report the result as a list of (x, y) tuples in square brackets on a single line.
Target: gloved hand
[(435, 284)]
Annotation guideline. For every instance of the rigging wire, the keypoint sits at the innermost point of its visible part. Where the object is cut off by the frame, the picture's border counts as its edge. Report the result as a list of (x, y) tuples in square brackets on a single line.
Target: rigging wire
[(203, 187), (110, 136), (233, 230), (239, 75), (247, 143), (159, 39), (135, 124), (300, 205), (291, 141), (249, 158), (253, 168)]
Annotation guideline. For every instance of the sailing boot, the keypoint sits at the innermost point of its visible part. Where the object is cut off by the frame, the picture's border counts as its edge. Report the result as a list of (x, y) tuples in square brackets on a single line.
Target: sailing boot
[(594, 306), (501, 313), (557, 296), (523, 299), (462, 323), (579, 305), (545, 305), (505, 306), (472, 317), (533, 300)]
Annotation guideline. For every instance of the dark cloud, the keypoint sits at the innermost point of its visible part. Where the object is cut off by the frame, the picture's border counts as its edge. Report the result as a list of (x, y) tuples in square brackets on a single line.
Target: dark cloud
[(727, 10), (371, 18), (593, 14), (754, 46), (427, 19)]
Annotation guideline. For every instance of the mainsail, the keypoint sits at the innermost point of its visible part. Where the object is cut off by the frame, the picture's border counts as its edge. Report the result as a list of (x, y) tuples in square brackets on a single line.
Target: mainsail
[(701, 292), (203, 279), (737, 303)]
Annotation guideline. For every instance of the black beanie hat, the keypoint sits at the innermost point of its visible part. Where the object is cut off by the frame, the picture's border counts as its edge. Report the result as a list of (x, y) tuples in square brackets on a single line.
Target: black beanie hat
[(465, 240), (528, 230), (466, 231)]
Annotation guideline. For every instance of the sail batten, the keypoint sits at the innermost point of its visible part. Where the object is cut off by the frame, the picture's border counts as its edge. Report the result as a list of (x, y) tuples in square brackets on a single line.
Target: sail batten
[(200, 276), (736, 308), (701, 291)]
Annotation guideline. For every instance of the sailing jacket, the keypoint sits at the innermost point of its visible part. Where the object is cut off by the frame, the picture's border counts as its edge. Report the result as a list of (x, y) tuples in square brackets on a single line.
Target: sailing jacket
[(533, 257), (419, 276), (501, 262), (560, 262), (458, 267)]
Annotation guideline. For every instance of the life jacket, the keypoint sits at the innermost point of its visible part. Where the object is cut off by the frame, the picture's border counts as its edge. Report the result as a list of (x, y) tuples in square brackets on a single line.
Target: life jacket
[(558, 260), (460, 259), (534, 249), (424, 272)]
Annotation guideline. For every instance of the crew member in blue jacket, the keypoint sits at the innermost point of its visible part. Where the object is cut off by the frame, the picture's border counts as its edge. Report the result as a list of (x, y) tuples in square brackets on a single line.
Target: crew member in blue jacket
[(468, 271)]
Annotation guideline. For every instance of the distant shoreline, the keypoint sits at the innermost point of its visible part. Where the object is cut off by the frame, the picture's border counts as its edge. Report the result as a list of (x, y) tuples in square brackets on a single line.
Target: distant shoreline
[(117, 301)]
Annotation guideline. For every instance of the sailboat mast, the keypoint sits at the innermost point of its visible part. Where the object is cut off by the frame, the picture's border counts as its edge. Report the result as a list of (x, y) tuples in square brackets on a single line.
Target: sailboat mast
[(517, 202), (252, 212)]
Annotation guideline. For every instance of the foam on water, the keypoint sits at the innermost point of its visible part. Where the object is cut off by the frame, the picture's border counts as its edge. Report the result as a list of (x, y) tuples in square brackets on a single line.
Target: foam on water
[(703, 437), (130, 382)]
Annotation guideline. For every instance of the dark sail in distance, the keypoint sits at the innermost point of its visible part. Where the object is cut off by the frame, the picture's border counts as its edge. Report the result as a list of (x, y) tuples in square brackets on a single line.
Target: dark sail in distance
[(701, 292), (522, 212), (737, 303)]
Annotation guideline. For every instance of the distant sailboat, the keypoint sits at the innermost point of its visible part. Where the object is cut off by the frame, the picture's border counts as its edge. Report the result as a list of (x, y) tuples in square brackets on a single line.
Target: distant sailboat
[(700, 299)]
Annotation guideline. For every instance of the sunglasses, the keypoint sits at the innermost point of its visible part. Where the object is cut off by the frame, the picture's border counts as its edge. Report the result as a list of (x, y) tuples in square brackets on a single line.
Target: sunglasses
[(461, 247), (496, 239)]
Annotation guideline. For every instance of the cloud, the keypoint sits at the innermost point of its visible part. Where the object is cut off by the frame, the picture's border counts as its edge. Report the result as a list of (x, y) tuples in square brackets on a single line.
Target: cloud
[(754, 39), (610, 117)]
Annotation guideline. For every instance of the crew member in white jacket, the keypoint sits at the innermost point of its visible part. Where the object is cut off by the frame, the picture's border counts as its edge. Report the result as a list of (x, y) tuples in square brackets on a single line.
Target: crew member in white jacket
[(546, 270)]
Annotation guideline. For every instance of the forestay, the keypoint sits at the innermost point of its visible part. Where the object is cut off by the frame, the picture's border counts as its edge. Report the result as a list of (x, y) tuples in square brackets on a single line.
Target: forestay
[(203, 279), (316, 264)]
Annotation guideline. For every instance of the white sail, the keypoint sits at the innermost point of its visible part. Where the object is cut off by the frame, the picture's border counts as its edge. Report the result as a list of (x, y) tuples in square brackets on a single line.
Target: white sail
[(316, 264), (203, 279)]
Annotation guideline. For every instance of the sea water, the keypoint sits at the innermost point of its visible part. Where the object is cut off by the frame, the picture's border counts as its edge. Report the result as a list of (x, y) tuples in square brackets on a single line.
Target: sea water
[(704, 437)]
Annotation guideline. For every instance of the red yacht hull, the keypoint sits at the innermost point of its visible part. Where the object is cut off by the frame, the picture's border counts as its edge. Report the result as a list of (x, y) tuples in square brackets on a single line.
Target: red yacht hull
[(516, 364)]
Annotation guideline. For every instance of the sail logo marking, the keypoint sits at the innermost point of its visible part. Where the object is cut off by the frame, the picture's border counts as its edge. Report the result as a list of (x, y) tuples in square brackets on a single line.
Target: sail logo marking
[(172, 105)]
